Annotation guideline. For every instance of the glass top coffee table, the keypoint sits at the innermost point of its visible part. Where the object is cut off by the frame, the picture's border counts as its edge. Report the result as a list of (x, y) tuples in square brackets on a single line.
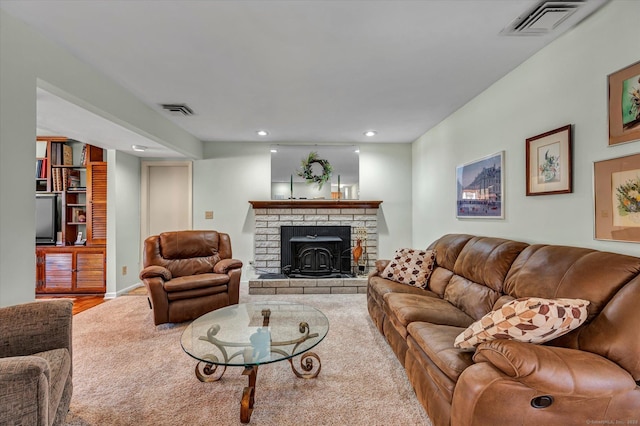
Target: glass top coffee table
[(251, 334)]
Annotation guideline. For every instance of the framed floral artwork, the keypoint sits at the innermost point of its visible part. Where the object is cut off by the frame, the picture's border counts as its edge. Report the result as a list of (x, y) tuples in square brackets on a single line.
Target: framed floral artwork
[(480, 186), (617, 198), (548, 162), (624, 105)]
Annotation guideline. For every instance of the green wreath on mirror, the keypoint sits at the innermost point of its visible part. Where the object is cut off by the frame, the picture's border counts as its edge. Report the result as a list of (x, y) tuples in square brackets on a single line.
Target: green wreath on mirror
[(307, 170)]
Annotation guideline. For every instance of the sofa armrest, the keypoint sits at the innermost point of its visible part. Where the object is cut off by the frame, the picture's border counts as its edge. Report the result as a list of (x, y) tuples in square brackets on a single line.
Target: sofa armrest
[(380, 265), (24, 381), (556, 371), (35, 327), (225, 265), (154, 271)]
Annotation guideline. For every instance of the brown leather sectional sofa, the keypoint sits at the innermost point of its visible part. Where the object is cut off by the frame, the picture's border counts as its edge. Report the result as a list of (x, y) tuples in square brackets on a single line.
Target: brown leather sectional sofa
[(588, 376)]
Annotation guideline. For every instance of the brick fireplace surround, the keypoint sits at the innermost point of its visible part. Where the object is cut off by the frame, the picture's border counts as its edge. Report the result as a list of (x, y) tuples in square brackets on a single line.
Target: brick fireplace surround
[(271, 215)]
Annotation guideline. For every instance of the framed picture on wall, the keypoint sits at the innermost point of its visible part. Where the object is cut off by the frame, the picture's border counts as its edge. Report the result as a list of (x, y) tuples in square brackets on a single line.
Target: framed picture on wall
[(617, 198), (480, 186), (549, 162), (624, 105)]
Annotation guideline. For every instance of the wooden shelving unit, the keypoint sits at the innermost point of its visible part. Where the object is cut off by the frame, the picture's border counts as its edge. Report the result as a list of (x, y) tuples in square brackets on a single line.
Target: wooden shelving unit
[(77, 173)]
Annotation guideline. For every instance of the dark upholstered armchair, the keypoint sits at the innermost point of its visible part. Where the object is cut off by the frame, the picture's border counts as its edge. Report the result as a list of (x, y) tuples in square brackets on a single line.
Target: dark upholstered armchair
[(35, 363), (189, 273)]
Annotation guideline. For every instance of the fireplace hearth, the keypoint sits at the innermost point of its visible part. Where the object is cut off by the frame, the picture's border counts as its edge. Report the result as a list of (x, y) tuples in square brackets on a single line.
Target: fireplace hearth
[(316, 251)]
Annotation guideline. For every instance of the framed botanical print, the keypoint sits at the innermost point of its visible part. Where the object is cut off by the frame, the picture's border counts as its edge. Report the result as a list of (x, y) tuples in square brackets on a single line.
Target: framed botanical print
[(549, 162), (617, 198), (624, 105)]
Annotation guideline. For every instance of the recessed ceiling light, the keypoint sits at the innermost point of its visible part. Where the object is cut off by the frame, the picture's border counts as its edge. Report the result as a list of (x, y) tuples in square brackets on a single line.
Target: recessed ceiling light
[(274, 150), (357, 151), (139, 148), (370, 133), (262, 133)]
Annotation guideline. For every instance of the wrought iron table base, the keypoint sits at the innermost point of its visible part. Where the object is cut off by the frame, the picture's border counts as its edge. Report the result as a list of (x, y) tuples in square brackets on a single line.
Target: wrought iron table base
[(208, 372)]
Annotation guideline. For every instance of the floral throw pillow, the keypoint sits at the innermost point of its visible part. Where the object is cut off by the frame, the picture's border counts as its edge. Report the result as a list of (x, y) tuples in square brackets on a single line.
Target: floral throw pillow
[(410, 266), (532, 320)]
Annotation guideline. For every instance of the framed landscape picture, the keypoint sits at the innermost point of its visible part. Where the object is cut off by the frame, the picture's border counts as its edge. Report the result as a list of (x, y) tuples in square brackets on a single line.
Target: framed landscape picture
[(548, 162), (480, 186), (624, 105), (617, 198)]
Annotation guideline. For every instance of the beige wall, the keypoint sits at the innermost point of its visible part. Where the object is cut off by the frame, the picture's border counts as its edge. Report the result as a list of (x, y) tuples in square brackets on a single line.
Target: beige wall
[(123, 225), (565, 83), (17, 151)]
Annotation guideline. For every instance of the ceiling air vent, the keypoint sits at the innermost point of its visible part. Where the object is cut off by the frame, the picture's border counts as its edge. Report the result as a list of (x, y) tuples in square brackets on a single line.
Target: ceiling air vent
[(177, 109), (543, 18)]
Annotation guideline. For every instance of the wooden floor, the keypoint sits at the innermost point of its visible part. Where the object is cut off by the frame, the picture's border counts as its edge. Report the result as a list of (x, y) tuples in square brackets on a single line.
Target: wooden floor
[(81, 303)]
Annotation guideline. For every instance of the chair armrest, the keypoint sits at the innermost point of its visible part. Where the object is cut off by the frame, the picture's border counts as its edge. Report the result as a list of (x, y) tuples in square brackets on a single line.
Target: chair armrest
[(24, 381), (556, 371), (35, 327), (225, 265), (154, 271)]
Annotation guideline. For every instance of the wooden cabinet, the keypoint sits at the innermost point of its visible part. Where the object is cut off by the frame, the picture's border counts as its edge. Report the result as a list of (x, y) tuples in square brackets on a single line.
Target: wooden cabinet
[(97, 203), (70, 270)]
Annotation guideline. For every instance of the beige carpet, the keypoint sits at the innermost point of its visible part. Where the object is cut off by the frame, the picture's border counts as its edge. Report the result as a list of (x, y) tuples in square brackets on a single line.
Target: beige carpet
[(126, 371)]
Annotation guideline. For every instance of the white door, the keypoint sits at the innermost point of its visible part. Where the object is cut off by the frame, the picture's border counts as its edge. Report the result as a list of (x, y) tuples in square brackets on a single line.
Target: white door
[(166, 197)]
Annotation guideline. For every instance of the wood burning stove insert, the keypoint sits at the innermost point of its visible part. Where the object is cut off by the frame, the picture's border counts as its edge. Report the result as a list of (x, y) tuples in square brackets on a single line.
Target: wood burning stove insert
[(315, 251)]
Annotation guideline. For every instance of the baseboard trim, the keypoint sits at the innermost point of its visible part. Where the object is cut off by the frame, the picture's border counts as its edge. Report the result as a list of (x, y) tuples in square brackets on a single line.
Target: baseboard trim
[(113, 295)]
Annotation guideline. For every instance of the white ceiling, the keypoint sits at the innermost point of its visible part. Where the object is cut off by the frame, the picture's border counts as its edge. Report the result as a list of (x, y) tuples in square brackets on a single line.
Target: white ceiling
[(307, 71), (57, 116)]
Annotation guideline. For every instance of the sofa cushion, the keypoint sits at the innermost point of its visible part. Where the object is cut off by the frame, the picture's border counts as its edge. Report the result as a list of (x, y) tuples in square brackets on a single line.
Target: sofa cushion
[(619, 343), (195, 281), (486, 260), (480, 270), (448, 248), (407, 308), (439, 280), (59, 362), (476, 300), (411, 266), (379, 286), (436, 341), (570, 272), (532, 320)]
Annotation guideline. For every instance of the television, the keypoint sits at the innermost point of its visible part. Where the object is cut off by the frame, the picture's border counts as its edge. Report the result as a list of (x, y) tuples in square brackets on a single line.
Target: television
[(46, 218)]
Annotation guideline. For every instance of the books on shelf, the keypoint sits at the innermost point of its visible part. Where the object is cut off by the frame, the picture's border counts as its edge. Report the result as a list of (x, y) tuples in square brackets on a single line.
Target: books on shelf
[(83, 155), (64, 179), (41, 168), (56, 179), (61, 154), (67, 155), (73, 179)]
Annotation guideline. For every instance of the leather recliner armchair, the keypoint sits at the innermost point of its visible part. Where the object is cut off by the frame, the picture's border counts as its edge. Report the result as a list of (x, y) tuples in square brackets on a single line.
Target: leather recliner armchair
[(189, 273)]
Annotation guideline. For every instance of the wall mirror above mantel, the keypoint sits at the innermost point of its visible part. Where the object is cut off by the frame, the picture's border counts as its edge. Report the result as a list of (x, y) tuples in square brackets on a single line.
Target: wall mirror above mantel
[(287, 161)]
